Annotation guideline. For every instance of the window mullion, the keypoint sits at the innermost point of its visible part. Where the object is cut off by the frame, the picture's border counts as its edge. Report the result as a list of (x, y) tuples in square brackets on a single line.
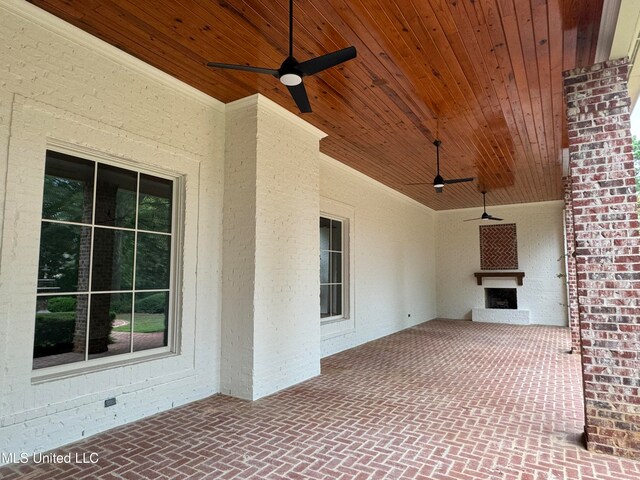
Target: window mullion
[(172, 272), (342, 270), (135, 256), (91, 243)]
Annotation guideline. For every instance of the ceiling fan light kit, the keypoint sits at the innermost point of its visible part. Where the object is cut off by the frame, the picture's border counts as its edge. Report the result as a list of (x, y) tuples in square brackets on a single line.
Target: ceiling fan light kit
[(291, 79), (291, 71)]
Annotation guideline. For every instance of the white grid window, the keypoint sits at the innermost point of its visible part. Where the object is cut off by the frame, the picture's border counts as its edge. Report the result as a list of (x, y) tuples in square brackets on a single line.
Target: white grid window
[(106, 262), (332, 271)]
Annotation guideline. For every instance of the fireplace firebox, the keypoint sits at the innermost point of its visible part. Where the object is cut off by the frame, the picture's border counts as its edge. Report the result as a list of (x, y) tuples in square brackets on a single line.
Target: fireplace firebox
[(503, 298)]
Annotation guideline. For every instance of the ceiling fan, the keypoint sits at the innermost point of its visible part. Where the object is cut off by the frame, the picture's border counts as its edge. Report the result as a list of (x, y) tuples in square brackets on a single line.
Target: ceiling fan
[(485, 216), (291, 71), (438, 181)]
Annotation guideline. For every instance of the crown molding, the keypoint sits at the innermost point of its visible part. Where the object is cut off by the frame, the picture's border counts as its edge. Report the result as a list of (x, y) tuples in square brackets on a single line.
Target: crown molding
[(260, 101)]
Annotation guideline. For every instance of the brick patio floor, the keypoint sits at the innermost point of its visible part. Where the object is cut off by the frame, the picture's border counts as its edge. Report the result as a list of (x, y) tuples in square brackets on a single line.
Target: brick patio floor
[(445, 400)]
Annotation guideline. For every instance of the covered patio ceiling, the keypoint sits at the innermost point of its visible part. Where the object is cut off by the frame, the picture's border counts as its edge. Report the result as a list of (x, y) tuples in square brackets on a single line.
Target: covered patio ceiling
[(484, 76)]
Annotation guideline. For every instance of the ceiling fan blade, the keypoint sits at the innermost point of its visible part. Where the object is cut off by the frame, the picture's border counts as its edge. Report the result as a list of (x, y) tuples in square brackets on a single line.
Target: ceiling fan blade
[(491, 217), (329, 60), (438, 189), (246, 68), (459, 180), (472, 219), (299, 94)]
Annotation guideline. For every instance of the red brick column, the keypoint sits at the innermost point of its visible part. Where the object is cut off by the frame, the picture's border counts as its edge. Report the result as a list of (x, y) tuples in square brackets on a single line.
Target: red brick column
[(607, 238), (572, 280)]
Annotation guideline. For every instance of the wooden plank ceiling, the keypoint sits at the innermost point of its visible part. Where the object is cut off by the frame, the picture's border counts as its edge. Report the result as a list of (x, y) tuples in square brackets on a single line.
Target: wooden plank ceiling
[(485, 76)]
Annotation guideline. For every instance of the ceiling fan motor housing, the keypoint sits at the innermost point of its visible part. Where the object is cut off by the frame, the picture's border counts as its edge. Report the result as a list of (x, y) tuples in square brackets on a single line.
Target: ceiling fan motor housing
[(289, 73), (438, 181)]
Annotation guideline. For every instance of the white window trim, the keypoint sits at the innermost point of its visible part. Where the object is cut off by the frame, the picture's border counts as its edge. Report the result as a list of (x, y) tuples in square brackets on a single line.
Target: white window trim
[(346, 271), (175, 291), (347, 324)]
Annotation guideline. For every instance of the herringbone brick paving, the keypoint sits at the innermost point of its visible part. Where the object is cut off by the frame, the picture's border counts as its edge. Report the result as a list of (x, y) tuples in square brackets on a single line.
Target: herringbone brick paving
[(444, 400)]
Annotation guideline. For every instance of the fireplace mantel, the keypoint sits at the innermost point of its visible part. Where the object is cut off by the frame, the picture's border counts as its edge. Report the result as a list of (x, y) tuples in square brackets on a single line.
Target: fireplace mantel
[(517, 275)]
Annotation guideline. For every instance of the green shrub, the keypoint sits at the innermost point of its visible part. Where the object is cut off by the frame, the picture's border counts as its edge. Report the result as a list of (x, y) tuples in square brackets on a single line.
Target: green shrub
[(61, 304), (152, 304), (54, 333)]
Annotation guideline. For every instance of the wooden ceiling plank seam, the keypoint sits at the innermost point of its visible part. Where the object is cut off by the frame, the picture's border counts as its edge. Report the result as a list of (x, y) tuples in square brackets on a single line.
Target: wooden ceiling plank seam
[(418, 34), (505, 61), (527, 41), (500, 155), (381, 175), (474, 11), (370, 134), (507, 107), (525, 179), (364, 32), (512, 38), (421, 166), (281, 45), (463, 89), (415, 69), (233, 32), (540, 18), (570, 15), (546, 100), (556, 78), (507, 8), (301, 43)]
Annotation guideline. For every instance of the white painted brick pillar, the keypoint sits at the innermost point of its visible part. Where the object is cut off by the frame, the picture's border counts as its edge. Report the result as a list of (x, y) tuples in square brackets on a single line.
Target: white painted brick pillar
[(270, 309)]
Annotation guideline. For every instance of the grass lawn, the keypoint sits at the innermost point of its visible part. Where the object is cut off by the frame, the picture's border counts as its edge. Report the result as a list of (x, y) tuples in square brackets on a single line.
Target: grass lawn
[(143, 323)]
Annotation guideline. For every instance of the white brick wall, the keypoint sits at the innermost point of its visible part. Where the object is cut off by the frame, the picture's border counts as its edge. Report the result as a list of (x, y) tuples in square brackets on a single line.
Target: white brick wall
[(394, 264), (286, 296), (59, 84), (239, 252), (540, 248), (271, 313)]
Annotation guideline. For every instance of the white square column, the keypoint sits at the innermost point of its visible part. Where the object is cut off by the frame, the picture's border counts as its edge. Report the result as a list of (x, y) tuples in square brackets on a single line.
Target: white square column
[(271, 309)]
